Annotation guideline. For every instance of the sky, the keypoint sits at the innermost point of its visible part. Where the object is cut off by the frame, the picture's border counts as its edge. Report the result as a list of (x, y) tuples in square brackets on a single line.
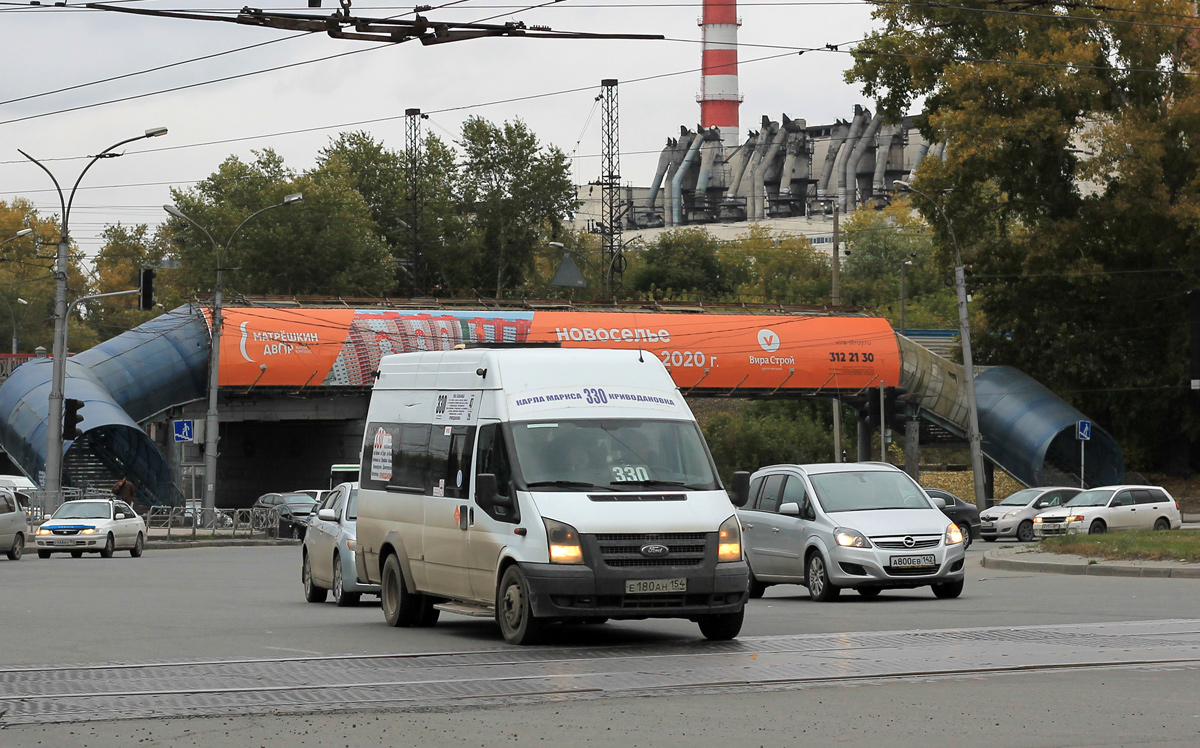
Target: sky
[(47, 49)]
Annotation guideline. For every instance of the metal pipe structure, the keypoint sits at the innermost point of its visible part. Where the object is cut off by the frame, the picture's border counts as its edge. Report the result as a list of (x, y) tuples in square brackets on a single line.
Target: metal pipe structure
[(921, 151), (719, 97), (741, 161), (677, 181), (664, 162), (850, 201), (883, 152), (837, 139), (710, 151), (212, 421), (839, 167), (964, 332), (54, 431)]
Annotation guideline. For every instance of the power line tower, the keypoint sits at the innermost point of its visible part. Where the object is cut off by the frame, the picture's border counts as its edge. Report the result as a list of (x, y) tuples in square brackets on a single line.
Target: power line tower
[(612, 261), (415, 265)]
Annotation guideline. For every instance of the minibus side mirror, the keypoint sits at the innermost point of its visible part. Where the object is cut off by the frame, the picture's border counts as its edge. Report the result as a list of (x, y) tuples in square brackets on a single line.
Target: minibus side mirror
[(486, 493), (741, 488)]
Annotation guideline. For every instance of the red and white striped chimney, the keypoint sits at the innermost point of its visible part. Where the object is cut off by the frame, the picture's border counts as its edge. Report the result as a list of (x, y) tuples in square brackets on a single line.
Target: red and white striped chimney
[(719, 98)]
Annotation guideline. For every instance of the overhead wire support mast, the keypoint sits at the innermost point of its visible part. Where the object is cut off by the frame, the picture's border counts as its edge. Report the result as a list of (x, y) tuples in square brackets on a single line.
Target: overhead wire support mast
[(341, 25), (612, 261)]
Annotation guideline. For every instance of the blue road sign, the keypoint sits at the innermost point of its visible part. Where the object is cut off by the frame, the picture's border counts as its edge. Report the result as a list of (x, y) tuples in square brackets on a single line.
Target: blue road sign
[(185, 431), (1083, 431)]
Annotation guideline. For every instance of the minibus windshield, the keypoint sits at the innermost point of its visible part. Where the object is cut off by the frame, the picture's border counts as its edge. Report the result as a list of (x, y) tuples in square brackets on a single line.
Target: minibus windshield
[(613, 455)]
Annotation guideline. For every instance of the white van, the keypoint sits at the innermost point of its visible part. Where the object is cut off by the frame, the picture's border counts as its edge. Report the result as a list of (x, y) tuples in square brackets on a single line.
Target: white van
[(539, 485)]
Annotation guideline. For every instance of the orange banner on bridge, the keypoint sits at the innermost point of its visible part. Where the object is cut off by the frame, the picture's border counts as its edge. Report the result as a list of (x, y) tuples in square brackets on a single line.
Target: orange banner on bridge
[(342, 347)]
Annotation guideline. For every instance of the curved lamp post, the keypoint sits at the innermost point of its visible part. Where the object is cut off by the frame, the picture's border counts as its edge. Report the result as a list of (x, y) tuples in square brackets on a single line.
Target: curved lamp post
[(211, 419), (964, 333), (15, 337), (54, 440)]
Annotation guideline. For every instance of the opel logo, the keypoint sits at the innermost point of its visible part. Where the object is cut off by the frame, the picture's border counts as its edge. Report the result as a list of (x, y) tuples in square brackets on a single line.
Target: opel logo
[(654, 550), (909, 542)]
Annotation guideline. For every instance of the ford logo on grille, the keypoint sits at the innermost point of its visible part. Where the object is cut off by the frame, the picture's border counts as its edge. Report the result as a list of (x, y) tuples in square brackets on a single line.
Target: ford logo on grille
[(909, 542), (654, 550)]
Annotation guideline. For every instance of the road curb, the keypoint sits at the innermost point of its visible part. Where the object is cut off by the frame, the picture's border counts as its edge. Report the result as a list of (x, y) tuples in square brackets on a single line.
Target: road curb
[(162, 545), (1002, 561)]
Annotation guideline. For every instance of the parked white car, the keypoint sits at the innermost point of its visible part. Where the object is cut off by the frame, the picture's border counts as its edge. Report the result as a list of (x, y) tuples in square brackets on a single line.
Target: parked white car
[(1111, 508), (1013, 517), (92, 526), (14, 525)]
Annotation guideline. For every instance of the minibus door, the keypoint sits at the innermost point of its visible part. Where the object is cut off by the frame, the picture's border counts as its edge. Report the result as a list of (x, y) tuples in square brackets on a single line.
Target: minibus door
[(444, 538), (491, 526)]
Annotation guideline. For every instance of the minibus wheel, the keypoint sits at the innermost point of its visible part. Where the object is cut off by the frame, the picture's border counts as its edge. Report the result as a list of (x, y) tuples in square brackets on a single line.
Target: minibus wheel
[(514, 609)]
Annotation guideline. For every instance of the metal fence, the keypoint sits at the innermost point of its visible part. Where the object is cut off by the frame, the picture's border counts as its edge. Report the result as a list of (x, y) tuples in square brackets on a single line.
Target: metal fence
[(193, 521), (41, 504)]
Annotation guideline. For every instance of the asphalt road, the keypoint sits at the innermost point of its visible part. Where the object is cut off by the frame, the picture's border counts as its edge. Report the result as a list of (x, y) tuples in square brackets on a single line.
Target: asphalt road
[(236, 603), (209, 603)]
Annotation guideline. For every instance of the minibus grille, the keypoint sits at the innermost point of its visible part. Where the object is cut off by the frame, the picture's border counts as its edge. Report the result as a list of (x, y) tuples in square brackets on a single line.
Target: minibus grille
[(623, 550)]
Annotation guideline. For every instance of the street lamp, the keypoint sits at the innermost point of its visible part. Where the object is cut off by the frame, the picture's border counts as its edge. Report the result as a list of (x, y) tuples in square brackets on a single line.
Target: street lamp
[(18, 235), (964, 332), (54, 440), (903, 265), (211, 420), (16, 337)]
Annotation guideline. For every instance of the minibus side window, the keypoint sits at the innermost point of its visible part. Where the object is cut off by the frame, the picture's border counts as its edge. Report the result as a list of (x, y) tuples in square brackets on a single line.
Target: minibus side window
[(410, 460), (449, 461), (493, 458)]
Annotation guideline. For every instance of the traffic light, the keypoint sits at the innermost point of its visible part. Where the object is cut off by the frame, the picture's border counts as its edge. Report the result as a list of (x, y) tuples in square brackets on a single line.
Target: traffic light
[(72, 419), (146, 289)]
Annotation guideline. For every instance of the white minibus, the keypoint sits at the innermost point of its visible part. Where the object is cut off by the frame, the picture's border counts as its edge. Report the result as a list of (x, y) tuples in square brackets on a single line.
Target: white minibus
[(536, 485)]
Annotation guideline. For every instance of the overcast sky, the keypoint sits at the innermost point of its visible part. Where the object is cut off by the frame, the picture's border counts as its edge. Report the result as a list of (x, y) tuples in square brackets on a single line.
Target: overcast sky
[(47, 49)]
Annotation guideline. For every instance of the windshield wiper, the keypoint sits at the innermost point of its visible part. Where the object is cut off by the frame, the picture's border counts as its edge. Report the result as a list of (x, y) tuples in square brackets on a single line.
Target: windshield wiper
[(565, 484), (645, 483)]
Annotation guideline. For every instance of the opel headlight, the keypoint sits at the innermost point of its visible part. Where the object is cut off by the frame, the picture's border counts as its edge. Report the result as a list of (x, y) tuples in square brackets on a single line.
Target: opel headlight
[(954, 535), (564, 543), (729, 540), (1010, 515), (850, 538)]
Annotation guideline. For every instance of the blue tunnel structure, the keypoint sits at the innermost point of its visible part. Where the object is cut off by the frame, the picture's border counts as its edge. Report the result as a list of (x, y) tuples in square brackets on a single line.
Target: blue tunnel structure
[(122, 382), (126, 381)]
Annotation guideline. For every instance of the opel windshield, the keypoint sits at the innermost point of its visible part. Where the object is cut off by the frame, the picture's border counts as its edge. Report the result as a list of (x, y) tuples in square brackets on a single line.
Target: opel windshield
[(613, 455), (868, 490)]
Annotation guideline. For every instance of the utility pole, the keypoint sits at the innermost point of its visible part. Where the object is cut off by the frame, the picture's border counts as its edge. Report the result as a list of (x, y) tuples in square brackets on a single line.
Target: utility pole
[(836, 277), (612, 261), (413, 174)]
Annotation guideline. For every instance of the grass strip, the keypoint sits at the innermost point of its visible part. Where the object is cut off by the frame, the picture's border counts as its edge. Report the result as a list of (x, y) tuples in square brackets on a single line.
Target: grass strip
[(1134, 545)]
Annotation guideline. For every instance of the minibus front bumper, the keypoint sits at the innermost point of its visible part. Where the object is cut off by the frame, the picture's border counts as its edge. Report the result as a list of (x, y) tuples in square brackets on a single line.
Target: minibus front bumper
[(579, 591)]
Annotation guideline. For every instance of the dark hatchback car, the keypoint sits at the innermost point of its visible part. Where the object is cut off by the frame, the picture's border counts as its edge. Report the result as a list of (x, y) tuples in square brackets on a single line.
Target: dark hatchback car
[(961, 513), (294, 512)]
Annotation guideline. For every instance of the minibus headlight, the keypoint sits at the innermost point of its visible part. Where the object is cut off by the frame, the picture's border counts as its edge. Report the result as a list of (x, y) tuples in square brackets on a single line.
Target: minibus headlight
[(954, 534), (564, 543), (729, 540)]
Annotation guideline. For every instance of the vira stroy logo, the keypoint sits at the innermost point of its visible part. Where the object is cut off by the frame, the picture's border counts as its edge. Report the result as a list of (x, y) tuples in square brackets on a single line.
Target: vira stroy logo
[(768, 339)]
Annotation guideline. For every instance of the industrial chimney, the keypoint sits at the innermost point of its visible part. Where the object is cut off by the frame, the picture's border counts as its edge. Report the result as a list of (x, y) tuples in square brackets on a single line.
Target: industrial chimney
[(719, 98)]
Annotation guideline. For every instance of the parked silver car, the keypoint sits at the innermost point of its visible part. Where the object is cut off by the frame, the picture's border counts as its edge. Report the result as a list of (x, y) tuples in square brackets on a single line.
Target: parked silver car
[(1013, 517), (1099, 510), (329, 547), (92, 526), (866, 526), (14, 525)]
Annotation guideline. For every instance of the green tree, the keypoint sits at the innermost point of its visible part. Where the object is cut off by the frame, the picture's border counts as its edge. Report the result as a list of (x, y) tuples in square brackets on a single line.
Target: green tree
[(514, 195), (117, 267), (769, 433), (326, 245), (772, 267), (27, 272), (1083, 289), (681, 263)]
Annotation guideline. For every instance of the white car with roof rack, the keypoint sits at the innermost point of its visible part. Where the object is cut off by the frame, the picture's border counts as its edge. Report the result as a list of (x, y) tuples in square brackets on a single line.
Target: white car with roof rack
[(1100, 510)]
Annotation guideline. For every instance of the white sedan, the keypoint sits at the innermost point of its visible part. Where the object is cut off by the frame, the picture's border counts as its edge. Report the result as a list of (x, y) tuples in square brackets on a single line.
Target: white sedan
[(1111, 508), (92, 526)]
